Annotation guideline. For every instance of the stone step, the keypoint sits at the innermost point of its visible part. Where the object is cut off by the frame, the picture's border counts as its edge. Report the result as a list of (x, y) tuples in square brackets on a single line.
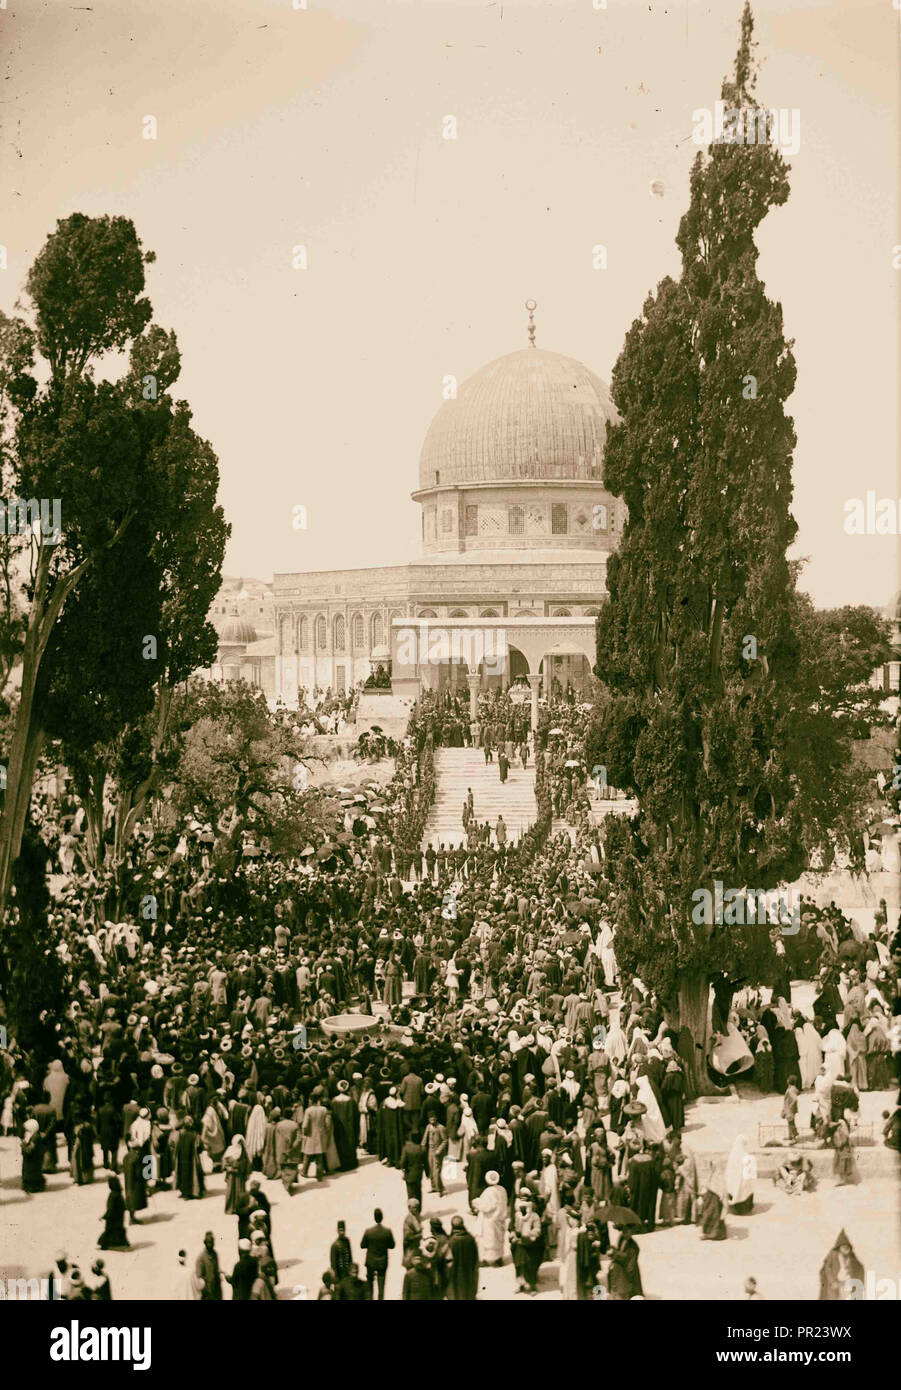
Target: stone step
[(458, 770)]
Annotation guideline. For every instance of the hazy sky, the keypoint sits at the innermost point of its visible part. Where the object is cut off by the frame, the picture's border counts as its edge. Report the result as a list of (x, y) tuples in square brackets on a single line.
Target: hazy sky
[(279, 127)]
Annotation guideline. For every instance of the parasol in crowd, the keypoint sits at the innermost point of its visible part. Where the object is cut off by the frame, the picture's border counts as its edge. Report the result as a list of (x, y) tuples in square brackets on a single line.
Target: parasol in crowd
[(307, 849), (635, 1108), (621, 1217)]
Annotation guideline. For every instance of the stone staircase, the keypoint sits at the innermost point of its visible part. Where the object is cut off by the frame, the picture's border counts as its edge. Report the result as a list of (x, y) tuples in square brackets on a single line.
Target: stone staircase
[(457, 769)]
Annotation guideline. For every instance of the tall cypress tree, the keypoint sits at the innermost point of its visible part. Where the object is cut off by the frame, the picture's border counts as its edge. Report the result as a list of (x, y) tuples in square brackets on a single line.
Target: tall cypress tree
[(698, 646)]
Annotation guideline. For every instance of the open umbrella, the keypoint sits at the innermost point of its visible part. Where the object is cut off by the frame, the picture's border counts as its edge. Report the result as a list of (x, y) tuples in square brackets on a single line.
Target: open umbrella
[(572, 762), (555, 733), (621, 1217), (635, 1108), (307, 849)]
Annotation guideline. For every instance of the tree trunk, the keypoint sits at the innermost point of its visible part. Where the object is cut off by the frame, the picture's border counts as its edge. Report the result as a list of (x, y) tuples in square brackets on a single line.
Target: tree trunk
[(90, 788), (694, 997), (23, 758), (27, 736)]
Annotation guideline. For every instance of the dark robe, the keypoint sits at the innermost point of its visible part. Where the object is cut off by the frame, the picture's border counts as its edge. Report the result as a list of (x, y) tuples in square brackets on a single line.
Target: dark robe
[(135, 1185), (710, 1217), (831, 1280), (188, 1172), (113, 1236), (242, 1278), (673, 1088), (344, 1124), (785, 1058), (478, 1164), (463, 1281), (33, 1179), (624, 1280), (643, 1183), (391, 1134), (82, 1161), (688, 1052)]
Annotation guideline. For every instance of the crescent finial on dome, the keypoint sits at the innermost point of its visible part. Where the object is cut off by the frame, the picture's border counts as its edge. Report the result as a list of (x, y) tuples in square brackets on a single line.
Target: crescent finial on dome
[(531, 305)]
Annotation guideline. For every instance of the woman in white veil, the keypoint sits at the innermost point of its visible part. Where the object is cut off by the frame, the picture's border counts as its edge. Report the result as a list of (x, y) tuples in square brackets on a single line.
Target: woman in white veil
[(652, 1122), (741, 1172)]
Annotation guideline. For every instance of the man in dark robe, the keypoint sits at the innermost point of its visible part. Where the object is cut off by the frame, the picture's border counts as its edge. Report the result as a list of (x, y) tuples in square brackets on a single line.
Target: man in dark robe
[(390, 1131), (479, 1163), (463, 1253), (244, 1273), (345, 1127), (188, 1172)]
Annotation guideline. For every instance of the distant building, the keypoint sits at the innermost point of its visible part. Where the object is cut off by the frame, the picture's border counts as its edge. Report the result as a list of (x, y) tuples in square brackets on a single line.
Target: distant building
[(516, 524), (888, 677), (243, 614)]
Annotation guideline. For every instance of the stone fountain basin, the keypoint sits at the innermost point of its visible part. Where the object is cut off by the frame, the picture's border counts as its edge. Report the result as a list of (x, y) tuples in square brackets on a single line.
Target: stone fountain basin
[(349, 1025)]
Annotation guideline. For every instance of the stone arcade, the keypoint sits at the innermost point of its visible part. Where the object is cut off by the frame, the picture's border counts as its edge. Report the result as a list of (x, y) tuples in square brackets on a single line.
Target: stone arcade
[(516, 530)]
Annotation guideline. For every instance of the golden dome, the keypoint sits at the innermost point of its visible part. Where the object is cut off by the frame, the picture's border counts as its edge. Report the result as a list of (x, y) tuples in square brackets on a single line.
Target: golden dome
[(531, 414)]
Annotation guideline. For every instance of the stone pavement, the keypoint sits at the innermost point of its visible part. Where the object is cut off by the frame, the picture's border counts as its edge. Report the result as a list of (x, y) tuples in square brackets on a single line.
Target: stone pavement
[(781, 1244)]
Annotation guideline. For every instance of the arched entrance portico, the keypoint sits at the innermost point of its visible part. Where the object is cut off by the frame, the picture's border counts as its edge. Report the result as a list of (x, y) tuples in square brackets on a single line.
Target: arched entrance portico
[(484, 651)]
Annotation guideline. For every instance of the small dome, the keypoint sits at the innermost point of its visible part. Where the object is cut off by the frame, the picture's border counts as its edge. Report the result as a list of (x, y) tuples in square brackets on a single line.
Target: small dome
[(237, 631), (531, 414)]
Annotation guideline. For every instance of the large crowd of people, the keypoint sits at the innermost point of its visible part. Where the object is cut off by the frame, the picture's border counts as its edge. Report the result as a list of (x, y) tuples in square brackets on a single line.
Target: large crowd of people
[(506, 1049)]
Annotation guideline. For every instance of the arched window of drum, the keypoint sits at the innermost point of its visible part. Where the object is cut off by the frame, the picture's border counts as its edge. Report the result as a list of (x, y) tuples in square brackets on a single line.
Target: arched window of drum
[(459, 613), (591, 612), (339, 633), (559, 519), (561, 613), (378, 630), (428, 613), (489, 613), (303, 634), (320, 632), (515, 521), (357, 631), (395, 613)]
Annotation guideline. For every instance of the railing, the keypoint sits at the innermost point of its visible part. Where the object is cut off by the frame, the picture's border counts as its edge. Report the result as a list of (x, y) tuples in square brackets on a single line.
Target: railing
[(776, 1136)]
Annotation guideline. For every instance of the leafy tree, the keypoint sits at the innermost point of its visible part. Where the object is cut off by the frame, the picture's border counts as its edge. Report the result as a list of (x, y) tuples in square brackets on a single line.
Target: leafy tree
[(141, 615), (129, 476), (240, 765), (717, 713)]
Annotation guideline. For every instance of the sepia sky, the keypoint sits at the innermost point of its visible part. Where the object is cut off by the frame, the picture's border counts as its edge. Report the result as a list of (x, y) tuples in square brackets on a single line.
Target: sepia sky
[(323, 127)]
